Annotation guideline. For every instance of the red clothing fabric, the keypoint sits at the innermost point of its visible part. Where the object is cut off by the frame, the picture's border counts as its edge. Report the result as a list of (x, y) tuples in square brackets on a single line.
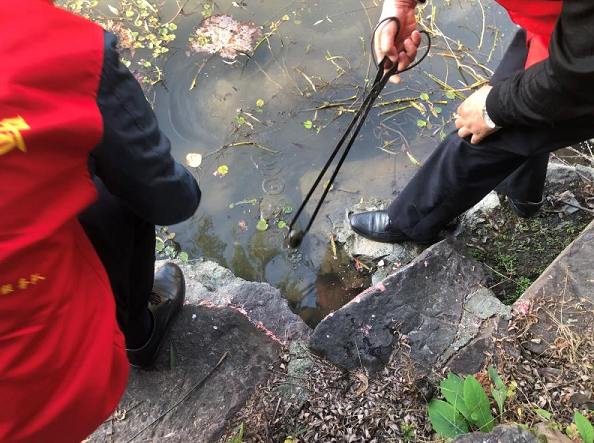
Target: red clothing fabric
[(538, 18), (63, 365)]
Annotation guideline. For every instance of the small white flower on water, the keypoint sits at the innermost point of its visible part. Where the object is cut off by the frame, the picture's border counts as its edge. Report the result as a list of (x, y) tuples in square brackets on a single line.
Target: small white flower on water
[(381, 263), (193, 316), (215, 327)]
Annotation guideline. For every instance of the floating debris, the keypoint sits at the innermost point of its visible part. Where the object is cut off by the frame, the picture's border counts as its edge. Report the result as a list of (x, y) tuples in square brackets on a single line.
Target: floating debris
[(193, 160), (221, 171), (126, 38), (262, 225), (223, 35)]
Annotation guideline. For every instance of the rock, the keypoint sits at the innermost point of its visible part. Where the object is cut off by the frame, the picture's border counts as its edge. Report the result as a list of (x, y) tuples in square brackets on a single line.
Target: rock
[(487, 205), (220, 358), (424, 300), (500, 434), (480, 305), (470, 359), (565, 289), (586, 172), (551, 435), (367, 251), (296, 391), (561, 177), (207, 281), (569, 202)]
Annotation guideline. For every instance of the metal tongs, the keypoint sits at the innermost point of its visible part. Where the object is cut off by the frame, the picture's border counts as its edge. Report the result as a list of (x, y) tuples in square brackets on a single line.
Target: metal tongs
[(296, 236)]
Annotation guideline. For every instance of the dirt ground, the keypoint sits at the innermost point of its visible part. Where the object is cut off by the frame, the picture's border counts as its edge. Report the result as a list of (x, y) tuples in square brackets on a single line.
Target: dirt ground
[(518, 250)]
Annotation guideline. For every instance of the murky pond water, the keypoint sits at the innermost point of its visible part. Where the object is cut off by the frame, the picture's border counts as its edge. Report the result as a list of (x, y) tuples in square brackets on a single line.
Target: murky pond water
[(295, 96)]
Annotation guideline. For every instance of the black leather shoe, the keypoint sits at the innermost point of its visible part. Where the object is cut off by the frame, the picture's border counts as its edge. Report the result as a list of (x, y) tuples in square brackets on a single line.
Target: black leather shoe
[(524, 209), (376, 226), (165, 302)]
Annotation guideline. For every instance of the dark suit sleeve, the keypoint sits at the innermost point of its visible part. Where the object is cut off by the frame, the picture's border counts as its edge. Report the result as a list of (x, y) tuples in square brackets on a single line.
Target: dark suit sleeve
[(558, 88), (134, 157)]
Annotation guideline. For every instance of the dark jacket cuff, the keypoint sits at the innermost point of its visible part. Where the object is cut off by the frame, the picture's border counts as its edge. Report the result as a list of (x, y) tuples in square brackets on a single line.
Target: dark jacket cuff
[(494, 106)]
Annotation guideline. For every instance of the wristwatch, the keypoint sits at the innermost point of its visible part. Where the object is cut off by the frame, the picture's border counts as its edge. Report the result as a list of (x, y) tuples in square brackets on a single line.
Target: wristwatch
[(490, 123)]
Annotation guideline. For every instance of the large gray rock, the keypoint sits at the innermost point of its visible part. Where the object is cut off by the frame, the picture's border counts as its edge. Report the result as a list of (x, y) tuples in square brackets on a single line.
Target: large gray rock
[(565, 288), (437, 301), (367, 251), (220, 358), (207, 281), (487, 205), (501, 434), (561, 177)]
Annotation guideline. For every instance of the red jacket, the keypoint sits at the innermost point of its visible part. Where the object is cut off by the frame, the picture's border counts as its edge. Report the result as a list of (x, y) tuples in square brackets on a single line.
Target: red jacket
[(538, 18), (63, 366)]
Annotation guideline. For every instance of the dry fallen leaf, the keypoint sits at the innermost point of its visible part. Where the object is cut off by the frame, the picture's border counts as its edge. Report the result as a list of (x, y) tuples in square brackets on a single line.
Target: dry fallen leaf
[(193, 160), (552, 435), (413, 160), (125, 36), (226, 36), (364, 383)]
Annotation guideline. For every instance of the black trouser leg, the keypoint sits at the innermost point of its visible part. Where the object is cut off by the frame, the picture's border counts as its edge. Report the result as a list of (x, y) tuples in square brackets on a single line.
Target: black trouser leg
[(526, 184), (126, 246), (458, 174)]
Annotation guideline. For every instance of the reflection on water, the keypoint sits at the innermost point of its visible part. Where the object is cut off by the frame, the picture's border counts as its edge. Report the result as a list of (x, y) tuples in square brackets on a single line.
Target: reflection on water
[(295, 96)]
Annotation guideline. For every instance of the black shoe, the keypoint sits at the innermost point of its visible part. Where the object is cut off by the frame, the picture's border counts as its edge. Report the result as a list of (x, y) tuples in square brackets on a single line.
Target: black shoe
[(376, 226), (525, 209), (165, 302)]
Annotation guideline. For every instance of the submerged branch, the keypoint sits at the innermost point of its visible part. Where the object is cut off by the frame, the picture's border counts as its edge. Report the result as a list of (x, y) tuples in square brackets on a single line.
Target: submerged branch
[(238, 144)]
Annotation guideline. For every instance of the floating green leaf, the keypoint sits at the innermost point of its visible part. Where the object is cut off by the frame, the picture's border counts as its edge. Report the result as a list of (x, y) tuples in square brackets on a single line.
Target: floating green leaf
[(446, 421), (307, 124), (288, 209), (450, 94), (183, 256), (231, 205), (477, 403), (262, 225), (282, 224), (223, 170), (260, 103), (425, 96), (421, 123), (286, 18), (584, 427), (437, 109)]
